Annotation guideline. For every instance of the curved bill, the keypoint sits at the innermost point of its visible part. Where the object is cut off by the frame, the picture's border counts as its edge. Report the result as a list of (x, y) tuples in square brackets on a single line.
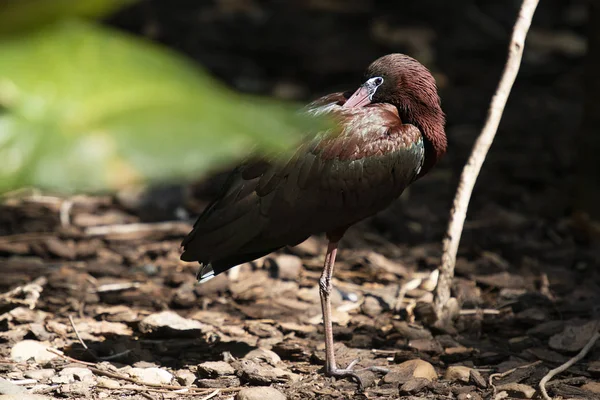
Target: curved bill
[(364, 94)]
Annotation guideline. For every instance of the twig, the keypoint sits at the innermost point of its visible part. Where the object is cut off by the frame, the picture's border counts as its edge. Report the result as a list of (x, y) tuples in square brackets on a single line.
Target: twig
[(24, 237), (505, 373), (568, 364), (402, 290), (473, 166), (31, 292), (116, 287), (485, 311), (71, 359), (65, 213), (137, 228), (24, 382), (213, 394), (147, 395), (93, 354), (148, 386), (77, 333)]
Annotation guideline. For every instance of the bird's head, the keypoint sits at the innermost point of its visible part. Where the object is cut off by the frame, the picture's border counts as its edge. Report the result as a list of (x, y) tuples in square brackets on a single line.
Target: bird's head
[(407, 84)]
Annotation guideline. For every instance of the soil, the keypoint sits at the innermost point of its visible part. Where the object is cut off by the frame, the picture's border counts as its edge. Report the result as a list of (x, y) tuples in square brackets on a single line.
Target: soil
[(100, 271)]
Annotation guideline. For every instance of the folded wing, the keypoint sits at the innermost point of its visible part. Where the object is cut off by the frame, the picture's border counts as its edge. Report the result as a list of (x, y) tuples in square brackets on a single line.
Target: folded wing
[(332, 181)]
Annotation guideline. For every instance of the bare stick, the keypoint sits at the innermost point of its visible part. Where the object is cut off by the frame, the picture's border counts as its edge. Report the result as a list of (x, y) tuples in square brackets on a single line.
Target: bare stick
[(505, 373), (175, 226), (567, 365), (480, 149), (77, 333), (93, 354), (145, 385)]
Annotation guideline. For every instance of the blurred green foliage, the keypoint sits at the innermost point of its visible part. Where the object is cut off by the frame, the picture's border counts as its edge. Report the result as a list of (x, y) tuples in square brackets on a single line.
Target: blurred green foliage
[(20, 15), (85, 108)]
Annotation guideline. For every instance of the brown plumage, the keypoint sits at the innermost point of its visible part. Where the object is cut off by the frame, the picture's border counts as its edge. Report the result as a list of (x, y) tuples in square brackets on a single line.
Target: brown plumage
[(390, 132)]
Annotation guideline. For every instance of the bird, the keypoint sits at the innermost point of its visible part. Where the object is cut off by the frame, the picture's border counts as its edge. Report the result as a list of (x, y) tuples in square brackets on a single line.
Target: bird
[(388, 133)]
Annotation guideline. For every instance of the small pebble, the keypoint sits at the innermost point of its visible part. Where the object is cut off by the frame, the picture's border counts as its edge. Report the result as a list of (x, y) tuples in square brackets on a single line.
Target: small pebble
[(458, 373), (215, 368), (151, 375), (371, 306), (40, 374), (27, 349), (260, 393), (108, 383), (185, 377)]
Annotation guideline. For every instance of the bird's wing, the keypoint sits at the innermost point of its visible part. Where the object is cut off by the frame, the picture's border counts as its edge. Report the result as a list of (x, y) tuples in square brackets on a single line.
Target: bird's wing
[(333, 180)]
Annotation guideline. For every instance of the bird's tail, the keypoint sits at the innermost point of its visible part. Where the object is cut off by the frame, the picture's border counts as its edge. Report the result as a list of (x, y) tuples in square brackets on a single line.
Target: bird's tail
[(205, 273)]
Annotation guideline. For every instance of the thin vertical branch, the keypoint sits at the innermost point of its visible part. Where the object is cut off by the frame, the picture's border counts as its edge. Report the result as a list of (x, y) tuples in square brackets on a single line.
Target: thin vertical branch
[(478, 154), (586, 349)]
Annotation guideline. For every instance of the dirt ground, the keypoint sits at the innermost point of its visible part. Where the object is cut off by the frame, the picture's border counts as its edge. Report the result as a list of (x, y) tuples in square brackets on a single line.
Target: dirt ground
[(97, 279)]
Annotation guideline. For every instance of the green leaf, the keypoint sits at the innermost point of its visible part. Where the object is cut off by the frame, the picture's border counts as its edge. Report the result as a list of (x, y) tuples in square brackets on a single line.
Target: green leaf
[(89, 108), (22, 15)]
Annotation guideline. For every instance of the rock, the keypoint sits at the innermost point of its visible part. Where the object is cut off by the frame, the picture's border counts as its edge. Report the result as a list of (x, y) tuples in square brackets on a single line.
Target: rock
[(185, 296), (532, 316), (9, 388), (79, 389), (108, 383), (518, 390), (185, 377), (60, 248), (288, 327), (62, 380), (292, 349), (426, 345), (521, 343), (371, 306), (284, 266), (40, 332), (222, 381), (151, 375), (414, 386), (40, 374), (258, 374), (544, 354), (592, 387), (23, 396), (546, 329), (468, 396), (213, 369), (263, 355), (458, 373), (478, 380), (93, 327), (456, 354), (594, 367), (81, 374), (574, 336), (263, 330), (411, 332), (260, 393), (27, 349), (25, 315), (170, 324), (408, 370)]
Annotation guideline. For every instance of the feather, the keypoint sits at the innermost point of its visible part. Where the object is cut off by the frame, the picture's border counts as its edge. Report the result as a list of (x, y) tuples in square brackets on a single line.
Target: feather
[(334, 180)]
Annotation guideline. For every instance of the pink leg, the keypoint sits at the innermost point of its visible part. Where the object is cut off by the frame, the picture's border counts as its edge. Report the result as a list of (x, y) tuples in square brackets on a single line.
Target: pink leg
[(325, 290), (325, 286)]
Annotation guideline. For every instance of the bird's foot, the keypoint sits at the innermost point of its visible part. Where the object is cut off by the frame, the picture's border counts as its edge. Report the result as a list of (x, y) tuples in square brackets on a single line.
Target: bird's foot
[(349, 372)]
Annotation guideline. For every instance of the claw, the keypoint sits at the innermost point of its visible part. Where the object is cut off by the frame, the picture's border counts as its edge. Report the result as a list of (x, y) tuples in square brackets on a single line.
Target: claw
[(348, 372)]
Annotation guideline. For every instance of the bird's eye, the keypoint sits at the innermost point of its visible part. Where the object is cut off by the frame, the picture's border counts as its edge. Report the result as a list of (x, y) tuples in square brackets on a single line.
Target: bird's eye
[(378, 80)]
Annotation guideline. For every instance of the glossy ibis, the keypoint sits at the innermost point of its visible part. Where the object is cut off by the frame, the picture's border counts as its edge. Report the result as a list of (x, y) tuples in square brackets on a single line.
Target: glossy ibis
[(390, 132)]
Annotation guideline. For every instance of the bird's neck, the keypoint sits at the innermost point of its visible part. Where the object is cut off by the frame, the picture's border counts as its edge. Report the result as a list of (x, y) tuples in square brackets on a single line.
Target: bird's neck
[(431, 124)]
